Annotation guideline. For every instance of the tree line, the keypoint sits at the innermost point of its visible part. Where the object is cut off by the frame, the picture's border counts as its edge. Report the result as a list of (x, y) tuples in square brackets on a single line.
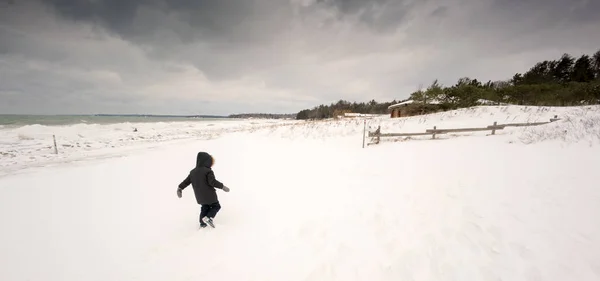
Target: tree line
[(342, 107), (565, 81)]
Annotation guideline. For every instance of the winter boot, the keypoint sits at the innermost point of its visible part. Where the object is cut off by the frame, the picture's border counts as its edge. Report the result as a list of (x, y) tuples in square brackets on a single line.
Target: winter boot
[(209, 221)]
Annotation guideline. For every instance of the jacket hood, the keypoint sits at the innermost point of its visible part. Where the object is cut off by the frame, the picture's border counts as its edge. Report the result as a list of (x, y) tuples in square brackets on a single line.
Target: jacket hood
[(204, 160)]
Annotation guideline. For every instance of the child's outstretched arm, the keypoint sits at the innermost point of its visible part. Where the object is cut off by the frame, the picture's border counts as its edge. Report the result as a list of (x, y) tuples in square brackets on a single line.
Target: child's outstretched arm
[(187, 181)]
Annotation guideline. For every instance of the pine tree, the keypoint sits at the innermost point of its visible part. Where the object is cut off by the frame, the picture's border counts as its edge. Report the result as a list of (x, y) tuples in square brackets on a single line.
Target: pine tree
[(596, 64), (582, 70)]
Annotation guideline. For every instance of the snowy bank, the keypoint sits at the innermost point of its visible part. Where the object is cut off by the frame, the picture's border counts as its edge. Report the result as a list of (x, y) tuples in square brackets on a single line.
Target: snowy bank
[(577, 124)]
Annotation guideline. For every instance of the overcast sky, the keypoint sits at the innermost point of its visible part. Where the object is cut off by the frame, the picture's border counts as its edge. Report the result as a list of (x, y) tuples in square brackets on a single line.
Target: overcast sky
[(277, 56)]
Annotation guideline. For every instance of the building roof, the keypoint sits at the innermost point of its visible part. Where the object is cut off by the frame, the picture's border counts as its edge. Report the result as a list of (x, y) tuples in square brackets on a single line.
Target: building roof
[(399, 104), (411, 101)]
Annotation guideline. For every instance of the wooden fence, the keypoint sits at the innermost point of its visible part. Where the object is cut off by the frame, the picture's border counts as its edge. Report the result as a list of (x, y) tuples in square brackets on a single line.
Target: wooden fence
[(377, 135)]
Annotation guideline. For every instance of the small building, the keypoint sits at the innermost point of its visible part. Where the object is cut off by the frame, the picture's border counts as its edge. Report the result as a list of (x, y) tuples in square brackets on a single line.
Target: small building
[(411, 107), (396, 109)]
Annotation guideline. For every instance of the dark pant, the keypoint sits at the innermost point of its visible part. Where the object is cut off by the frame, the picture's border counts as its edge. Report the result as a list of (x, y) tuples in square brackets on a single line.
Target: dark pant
[(209, 210)]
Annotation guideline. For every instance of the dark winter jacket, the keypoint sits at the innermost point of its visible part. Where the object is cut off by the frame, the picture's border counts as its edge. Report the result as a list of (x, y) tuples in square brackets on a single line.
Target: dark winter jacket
[(203, 180)]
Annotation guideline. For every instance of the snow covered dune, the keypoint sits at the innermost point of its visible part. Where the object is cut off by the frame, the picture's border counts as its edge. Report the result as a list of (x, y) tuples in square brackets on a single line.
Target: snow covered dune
[(308, 203), (577, 124)]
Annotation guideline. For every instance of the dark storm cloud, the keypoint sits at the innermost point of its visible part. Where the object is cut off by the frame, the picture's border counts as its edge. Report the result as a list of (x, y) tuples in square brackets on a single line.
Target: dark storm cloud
[(236, 31), (115, 14), (536, 15), (574, 11), (100, 55), (16, 43), (440, 11), (231, 37), (225, 21), (230, 21), (8, 46), (380, 15), (353, 6), (238, 24)]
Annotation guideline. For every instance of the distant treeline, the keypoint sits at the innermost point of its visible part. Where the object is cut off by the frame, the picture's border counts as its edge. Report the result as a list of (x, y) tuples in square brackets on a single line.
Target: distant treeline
[(263, 116), (341, 107), (562, 82)]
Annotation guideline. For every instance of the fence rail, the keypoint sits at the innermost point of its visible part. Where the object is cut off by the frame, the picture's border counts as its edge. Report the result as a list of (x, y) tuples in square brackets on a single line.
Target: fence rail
[(377, 135)]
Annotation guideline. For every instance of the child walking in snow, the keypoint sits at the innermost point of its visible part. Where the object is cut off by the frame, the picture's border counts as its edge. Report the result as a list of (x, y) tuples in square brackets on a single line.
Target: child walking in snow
[(203, 181)]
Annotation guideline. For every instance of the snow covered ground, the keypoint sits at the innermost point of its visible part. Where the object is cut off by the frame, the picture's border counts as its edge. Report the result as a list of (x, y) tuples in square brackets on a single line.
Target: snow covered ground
[(308, 203)]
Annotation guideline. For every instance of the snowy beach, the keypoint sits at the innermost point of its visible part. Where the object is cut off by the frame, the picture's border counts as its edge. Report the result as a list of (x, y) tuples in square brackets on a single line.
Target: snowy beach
[(33, 145), (307, 202)]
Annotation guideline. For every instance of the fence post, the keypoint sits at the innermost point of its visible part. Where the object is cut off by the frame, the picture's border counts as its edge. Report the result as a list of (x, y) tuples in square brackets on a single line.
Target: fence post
[(378, 134), (494, 129), (434, 128), (55, 148), (364, 130)]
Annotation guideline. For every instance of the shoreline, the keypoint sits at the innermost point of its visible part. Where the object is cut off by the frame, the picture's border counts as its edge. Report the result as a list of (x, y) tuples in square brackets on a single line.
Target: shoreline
[(33, 145)]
